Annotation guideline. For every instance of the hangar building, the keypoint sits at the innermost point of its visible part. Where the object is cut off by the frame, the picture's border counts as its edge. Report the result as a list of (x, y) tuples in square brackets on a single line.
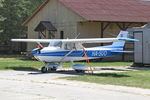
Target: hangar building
[(91, 18)]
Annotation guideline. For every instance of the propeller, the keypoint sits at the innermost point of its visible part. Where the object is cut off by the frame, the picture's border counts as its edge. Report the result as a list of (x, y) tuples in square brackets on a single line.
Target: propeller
[(39, 47)]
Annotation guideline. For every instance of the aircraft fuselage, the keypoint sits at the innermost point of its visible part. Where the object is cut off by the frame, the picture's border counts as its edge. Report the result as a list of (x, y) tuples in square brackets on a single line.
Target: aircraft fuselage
[(56, 54)]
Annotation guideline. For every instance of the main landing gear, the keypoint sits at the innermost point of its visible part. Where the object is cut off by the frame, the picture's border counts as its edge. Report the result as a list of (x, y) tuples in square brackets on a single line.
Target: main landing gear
[(50, 67), (80, 68), (80, 71)]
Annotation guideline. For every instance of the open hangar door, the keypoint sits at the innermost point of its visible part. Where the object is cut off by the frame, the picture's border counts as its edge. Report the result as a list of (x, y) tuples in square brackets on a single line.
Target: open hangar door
[(142, 47)]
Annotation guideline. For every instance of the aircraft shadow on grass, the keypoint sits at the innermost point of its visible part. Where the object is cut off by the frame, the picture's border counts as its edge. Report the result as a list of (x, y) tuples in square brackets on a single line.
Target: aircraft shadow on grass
[(115, 75), (70, 72), (35, 71)]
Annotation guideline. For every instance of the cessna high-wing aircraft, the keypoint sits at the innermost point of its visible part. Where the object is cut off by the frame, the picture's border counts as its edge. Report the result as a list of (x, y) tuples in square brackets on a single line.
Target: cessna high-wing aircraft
[(69, 50)]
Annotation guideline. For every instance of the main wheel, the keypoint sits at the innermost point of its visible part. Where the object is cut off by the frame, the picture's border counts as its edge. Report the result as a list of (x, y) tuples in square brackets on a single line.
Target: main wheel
[(43, 69), (53, 69)]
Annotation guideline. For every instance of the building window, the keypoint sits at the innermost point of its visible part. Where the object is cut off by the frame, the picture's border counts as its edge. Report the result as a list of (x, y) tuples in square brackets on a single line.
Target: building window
[(61, 34)]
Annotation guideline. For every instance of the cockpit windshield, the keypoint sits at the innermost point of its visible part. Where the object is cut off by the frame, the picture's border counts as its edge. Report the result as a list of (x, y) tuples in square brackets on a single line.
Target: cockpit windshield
[(65, 46), (56, 44)]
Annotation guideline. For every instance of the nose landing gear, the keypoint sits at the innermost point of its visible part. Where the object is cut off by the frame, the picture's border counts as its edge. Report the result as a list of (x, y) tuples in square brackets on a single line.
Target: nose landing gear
[(50, 67), (44, 69)]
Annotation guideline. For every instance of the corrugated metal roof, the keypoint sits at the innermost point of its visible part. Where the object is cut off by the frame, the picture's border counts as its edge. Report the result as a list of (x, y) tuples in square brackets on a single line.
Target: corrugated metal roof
[(111, 10), (106, 10)]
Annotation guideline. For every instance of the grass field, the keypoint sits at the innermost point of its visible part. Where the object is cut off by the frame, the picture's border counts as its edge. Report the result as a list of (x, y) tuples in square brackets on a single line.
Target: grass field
[(140, 79), (25, 64), (19, 64), (134, 79)]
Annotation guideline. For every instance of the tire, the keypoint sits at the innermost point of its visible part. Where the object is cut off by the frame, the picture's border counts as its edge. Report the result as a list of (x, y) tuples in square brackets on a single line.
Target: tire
[(44, 69), (53, 69)]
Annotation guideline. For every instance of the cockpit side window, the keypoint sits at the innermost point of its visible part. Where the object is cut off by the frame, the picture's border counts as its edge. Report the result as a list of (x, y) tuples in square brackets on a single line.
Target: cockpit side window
[(58, 44), (69, 46)]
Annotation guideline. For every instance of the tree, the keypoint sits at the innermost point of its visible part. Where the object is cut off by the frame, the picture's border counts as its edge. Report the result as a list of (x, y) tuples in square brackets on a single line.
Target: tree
[(13, 13)]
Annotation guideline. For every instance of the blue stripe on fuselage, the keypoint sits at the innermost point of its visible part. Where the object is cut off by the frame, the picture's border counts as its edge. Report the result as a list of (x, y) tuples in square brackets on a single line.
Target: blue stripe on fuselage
[(89, 53), (63, 53)]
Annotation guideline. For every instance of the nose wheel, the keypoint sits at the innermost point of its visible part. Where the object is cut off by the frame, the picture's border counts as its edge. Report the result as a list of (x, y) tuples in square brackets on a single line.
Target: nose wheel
[(44, 69), (50, 67)]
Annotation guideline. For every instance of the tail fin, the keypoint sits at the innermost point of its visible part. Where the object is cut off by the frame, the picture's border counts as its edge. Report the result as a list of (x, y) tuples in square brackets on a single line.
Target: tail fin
[(122, 34)]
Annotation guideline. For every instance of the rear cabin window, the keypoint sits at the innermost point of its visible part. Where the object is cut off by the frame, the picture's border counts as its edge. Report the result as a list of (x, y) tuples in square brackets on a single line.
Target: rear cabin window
[(69, 46)]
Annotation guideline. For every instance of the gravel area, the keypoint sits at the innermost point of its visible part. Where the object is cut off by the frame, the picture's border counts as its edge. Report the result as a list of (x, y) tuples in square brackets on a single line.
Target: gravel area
[(26, 85)]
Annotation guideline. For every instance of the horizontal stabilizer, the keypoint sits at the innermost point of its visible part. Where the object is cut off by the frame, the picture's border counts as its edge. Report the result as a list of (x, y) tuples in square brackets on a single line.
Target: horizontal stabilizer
[(123, 51), (128, 39)]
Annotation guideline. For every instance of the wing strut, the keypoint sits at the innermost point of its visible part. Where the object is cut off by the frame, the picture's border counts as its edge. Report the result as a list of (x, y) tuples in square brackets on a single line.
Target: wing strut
[(67, 54)]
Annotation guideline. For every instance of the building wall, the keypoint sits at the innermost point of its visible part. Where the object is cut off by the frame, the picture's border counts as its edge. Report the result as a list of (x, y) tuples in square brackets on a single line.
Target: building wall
[(60, 16)]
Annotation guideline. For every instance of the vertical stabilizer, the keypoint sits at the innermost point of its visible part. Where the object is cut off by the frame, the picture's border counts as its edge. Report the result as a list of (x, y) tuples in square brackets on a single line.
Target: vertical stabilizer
[(122, 34)]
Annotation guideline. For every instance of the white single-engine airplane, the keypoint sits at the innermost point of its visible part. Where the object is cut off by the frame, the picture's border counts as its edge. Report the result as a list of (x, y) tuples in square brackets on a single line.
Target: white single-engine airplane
[(69, 50)]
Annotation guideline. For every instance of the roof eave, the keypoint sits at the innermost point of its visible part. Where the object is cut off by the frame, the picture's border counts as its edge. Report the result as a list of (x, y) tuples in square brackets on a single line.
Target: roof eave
[(35, 12), (118, 21)]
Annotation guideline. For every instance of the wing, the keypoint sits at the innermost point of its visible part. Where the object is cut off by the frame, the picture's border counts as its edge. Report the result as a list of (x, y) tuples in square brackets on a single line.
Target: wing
[(35, 40), (90, 40), (93, 40)]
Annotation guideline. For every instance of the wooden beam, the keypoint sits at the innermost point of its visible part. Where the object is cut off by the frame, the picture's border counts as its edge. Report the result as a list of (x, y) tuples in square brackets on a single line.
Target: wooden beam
[(102, 31), (39, 36), (129, 24), (119, 26), (123, 26), (44, 35), (103, 28)]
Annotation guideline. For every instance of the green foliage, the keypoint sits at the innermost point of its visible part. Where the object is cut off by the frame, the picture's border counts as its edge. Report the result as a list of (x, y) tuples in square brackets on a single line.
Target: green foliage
[(19, 64), (13, 13)]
